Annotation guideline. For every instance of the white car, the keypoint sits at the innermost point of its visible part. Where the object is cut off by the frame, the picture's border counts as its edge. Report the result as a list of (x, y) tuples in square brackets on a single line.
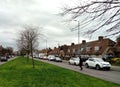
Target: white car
[(51, 57), (45, 57), (57, 59), (74, 61), (97, 63)]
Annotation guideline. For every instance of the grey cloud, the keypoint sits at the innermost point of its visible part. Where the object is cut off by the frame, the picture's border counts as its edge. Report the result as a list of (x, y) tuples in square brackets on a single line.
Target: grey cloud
[(14, 14)]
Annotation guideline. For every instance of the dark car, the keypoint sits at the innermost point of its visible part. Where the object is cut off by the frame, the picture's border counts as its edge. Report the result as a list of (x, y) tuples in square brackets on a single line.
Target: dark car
[(2, 58)]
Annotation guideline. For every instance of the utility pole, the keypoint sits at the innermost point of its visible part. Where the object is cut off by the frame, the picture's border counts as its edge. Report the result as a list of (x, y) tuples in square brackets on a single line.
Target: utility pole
[(46, 47)]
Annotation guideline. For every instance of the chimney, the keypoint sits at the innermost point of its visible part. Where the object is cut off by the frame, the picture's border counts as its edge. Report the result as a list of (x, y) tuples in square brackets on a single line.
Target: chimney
[(100, 38), (72, 44), (83, 41), (54, 48)]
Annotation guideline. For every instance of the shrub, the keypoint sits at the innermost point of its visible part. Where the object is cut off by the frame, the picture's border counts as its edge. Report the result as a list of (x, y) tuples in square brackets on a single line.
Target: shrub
[(115, 61)]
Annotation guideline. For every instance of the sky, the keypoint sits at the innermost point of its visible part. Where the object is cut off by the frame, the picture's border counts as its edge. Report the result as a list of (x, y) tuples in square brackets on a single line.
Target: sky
[(14, 14)]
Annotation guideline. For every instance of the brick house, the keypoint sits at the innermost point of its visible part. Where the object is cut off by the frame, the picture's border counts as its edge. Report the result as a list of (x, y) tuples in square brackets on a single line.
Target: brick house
[(1, 50), (115, 50), (61, 51), (72, 50), (97, 48), (55, 51)]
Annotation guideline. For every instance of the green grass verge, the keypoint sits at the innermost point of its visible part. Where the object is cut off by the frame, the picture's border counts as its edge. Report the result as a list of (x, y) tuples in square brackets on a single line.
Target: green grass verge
[(19, 73)]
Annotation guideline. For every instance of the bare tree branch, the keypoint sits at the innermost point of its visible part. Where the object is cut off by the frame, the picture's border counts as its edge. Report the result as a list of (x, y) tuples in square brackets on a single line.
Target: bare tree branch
[(104, 12)]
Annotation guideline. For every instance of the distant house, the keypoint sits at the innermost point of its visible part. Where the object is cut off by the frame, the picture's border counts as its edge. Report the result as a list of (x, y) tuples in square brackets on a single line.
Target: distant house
[(45, 51), (114, 50), (1, 50), (55, 51), (72, 49)]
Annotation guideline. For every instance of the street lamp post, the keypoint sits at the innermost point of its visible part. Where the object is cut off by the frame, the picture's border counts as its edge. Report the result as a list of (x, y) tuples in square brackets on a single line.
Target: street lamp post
[(78, 32)]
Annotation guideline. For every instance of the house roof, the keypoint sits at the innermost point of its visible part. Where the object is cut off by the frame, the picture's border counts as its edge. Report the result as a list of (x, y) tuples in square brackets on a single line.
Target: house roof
[(54, 51), (94, 47), (101, 45)]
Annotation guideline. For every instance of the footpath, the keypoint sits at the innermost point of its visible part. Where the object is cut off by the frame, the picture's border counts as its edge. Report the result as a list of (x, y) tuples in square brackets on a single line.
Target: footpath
[(115, 68)]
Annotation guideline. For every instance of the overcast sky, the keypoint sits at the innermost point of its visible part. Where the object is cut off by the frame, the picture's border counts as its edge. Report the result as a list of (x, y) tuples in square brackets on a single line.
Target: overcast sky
[(14, 14)]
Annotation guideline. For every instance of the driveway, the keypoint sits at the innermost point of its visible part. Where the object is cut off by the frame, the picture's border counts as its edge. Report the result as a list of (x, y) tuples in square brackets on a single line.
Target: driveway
[(112, 75)]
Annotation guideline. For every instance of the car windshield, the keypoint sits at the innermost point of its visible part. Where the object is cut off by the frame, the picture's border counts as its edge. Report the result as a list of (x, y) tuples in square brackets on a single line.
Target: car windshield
[(51, 56), (77, 59), (99, 60), (57, 58)]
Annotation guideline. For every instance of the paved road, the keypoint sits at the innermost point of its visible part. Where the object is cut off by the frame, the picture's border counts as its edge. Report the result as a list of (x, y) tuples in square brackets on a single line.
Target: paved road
[(112, 75)]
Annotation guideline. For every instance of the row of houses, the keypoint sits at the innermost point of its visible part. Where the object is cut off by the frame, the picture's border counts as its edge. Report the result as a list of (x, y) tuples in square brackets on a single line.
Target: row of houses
[(98, 48), (5, 51)]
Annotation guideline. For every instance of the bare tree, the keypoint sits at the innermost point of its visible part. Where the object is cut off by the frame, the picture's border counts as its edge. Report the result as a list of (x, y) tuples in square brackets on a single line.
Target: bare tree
[(29, 40), (106, 14)]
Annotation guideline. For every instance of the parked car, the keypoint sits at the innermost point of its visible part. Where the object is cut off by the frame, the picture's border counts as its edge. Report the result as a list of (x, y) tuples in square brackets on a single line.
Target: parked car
[(41, 56), (45, 57), (107, 57), (74, 61), (97, 63), (51, 57), (58, 59), (2, 58)]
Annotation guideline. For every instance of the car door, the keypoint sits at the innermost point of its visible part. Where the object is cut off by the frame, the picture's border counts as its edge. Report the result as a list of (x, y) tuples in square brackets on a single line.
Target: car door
[(91, 62)]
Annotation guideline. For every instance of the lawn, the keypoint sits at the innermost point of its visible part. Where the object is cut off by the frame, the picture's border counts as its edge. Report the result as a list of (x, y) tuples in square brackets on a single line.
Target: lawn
[(19, 73)]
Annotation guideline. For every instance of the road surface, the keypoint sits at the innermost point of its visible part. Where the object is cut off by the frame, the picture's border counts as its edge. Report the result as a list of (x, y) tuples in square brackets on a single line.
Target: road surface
[(112, 75)]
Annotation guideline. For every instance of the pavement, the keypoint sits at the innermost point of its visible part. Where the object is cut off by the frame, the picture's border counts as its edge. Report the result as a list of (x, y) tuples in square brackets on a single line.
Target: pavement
[(115, 68)]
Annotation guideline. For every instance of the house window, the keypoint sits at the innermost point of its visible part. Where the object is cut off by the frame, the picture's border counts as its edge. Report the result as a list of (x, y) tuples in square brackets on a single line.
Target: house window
[(81, 49), (68, 50), (73, 50), (87, 48), (96, 48)]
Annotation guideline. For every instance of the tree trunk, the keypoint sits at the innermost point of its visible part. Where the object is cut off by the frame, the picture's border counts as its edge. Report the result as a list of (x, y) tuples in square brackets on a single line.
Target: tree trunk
[(32, 56), (28, 55)]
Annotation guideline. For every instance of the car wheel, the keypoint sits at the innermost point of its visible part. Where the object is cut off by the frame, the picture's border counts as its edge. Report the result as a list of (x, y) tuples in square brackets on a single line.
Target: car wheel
[(74, 63), (108, 68), (97, 67), (86, 65)]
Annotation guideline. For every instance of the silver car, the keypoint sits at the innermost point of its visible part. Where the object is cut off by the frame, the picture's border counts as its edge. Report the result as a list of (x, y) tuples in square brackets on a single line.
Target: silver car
[(51, 57), (74, 61)]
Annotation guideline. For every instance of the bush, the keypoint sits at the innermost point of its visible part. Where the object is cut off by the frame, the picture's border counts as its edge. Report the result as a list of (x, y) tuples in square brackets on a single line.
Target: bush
[(115, 61)]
